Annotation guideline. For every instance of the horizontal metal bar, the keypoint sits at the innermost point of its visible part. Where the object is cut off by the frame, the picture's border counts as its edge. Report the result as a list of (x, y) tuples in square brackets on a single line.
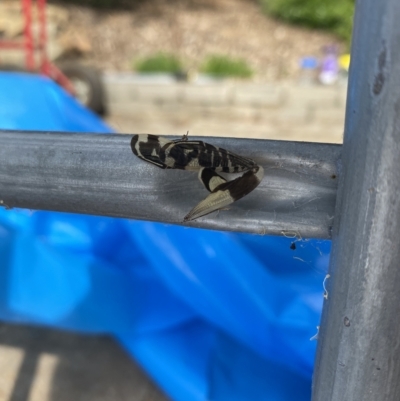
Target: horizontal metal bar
[(98, 174)]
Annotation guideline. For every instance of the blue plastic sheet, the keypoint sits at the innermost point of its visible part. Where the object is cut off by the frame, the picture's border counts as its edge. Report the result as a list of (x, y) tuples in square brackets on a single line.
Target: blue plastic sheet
[(210, 315)]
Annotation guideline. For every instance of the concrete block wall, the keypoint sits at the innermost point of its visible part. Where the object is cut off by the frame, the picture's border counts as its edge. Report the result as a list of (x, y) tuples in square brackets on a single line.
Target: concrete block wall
[(283, 111)]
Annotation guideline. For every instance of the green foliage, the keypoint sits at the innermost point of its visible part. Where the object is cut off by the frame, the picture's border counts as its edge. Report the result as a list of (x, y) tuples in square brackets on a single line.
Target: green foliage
[(161, 62), (333, 15), (223, 66)]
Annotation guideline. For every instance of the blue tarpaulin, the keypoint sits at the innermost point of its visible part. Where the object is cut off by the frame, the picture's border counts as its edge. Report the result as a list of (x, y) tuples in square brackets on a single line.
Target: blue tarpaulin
[(210, 315)]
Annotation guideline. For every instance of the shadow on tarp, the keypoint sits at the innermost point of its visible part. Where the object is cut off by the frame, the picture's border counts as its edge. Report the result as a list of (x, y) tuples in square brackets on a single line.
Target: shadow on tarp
[(209, 315)]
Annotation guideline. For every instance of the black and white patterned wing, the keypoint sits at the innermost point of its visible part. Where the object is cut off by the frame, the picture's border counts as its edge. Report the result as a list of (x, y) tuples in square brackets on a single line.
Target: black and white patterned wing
[(227, 192), (193, 155), (150, 148), (210, 179)]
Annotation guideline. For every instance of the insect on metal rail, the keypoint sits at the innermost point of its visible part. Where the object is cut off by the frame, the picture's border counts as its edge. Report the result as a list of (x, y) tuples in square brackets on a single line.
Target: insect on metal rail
[(98, 174), (207, 159)]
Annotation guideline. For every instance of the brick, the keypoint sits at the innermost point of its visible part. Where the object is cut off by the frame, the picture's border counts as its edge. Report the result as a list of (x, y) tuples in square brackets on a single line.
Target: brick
[(313, 96), (258, 95), (117, 92), (342, 97), (159, 94), (293, 115), (330, 115), (211, 95)]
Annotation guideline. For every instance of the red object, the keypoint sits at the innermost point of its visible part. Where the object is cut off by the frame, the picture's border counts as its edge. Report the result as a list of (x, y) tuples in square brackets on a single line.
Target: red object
[(29, 45)]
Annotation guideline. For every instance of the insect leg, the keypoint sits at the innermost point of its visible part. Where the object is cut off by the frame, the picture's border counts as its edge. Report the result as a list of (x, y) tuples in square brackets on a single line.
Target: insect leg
[(185, 137)]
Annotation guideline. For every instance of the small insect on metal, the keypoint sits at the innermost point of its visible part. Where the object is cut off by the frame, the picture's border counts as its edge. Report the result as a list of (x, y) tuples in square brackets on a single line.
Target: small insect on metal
[(207, 159)]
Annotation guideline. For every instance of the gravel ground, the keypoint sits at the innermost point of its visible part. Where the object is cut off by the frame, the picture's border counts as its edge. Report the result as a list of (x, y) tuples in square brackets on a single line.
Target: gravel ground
[(194, 29)]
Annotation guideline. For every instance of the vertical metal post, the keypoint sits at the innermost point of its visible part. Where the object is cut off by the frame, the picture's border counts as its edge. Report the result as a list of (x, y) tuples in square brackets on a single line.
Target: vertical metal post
[(44, 62), (28, 35), (358, 357)]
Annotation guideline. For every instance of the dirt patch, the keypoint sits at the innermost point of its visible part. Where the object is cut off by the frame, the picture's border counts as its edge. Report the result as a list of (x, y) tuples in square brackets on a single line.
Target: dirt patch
[(194, 29), (113, 39)]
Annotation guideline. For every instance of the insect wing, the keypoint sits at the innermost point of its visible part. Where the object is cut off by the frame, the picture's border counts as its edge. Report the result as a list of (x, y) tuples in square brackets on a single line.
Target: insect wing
[(213, 202), (243, 185), (210, 179), (227, 193), (150, 148), (192, 155)]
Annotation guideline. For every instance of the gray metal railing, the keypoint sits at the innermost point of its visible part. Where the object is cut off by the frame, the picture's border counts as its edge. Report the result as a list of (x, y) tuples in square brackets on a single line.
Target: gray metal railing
[(99, 174)]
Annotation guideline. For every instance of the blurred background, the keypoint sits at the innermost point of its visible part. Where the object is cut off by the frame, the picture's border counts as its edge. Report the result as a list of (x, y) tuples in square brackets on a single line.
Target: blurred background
[(110, 309), (272, 69)]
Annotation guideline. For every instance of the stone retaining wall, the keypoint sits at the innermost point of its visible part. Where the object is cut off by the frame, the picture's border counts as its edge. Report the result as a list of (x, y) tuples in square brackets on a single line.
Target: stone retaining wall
[(274, 111)]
